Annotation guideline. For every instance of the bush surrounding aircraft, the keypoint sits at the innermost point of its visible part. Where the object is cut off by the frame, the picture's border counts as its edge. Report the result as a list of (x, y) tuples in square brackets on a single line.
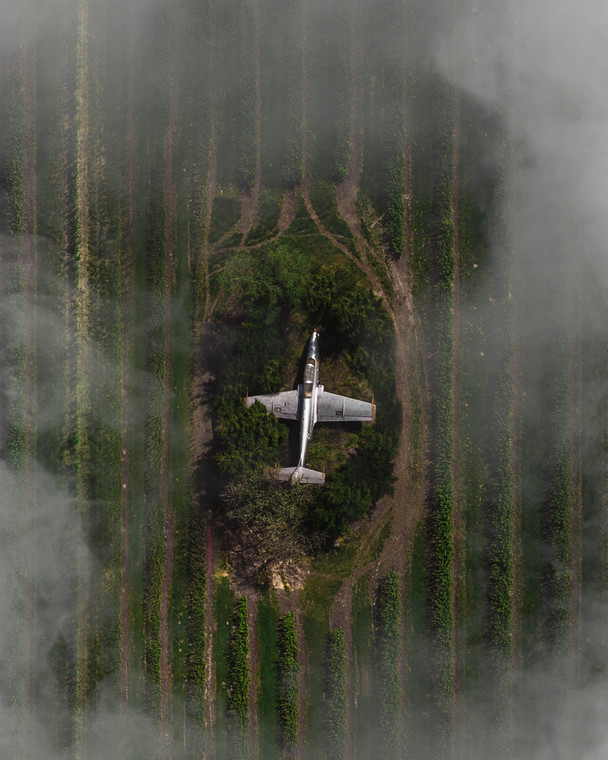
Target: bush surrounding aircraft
[(310, 404)]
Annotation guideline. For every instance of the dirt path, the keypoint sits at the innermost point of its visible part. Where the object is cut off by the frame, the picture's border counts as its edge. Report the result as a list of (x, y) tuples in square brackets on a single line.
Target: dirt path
[(170, 202)]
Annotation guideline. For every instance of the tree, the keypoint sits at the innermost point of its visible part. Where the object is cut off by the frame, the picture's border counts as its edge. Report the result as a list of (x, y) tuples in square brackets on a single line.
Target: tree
[(263, 524)]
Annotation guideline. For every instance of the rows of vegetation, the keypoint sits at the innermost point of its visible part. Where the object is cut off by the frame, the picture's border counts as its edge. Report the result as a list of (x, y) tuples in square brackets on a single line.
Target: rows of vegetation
[(330, 96), (334, 690), (328, 72), (485, 596), (287, 682), (434, 267), (235, 39), (387, 645), (237, 684), (557, 505), (384, 177)]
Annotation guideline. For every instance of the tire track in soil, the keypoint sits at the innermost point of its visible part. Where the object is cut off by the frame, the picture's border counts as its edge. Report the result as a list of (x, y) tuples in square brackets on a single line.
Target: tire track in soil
[(170, 202)]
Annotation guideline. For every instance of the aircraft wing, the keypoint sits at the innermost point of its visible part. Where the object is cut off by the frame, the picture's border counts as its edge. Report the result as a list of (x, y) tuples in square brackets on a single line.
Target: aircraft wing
[(334, 408), (284, 405)]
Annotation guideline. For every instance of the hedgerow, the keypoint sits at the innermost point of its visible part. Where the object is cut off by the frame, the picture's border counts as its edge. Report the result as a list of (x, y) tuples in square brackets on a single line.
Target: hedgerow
[(334, 690), (287, 681)]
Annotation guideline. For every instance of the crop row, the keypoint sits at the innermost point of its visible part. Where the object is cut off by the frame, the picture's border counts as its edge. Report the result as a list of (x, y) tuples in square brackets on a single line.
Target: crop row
[(237, 682), (556, 510), (330, 89), (387, 644), (434, 267), (287, 681), (235, 72), (334, 689), (384, 175)]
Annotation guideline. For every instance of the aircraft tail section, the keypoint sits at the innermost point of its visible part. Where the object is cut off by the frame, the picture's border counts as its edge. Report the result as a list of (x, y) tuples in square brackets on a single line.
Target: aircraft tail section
[(301, 475)]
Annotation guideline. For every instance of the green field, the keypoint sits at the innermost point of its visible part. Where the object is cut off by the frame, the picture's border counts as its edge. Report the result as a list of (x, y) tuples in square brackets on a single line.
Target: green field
[(187, 190)]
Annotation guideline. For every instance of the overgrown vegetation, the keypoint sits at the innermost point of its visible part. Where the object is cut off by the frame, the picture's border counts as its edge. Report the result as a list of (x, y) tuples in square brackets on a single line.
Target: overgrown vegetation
[(281, 290)]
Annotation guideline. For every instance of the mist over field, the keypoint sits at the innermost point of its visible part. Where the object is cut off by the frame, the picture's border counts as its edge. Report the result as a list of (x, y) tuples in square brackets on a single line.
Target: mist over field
[(187, 188)]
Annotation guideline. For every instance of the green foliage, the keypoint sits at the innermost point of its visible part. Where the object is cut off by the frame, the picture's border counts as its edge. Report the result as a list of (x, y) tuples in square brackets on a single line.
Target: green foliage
[(197, 582), (325, 202), (357, 485), (248, 438), (267, 630), (269, 285), (334, 690), (225, 214), (287, 681), (237, 682), (556, 511), (387, 627), (267, 219)]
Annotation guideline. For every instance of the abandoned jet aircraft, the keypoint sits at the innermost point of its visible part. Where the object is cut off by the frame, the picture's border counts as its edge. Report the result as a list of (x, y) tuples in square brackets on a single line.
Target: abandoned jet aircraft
[(310, 404)]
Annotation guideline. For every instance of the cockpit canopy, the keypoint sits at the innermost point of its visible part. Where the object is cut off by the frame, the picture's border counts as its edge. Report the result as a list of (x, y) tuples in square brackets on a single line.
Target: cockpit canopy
[(309, 377)]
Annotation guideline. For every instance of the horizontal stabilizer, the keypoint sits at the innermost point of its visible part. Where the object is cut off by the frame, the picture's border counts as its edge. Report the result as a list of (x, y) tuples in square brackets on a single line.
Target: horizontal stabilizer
[(301, 475)]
